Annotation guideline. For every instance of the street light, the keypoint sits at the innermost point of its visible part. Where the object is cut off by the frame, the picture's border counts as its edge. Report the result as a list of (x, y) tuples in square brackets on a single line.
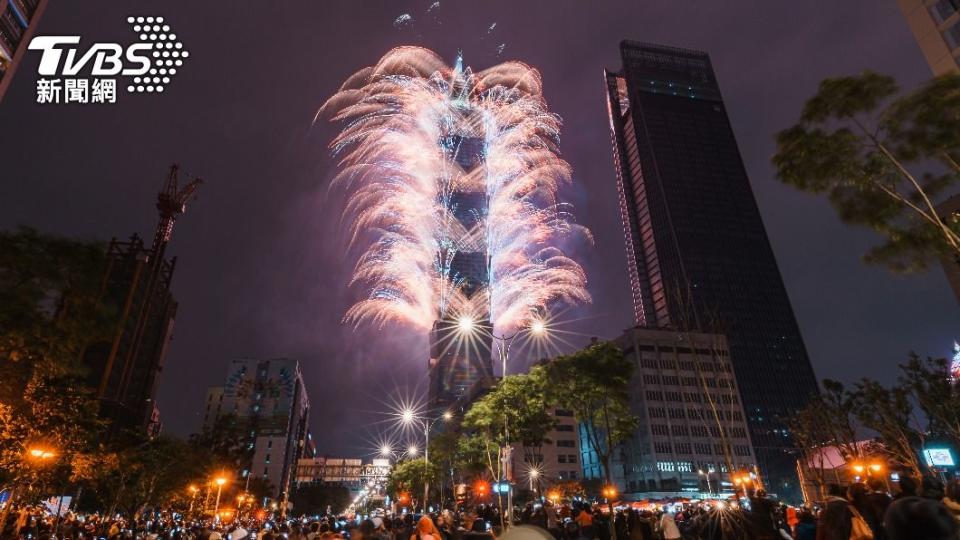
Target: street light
[(219, 481), (193, 497), (706, 474), (536, 327), (42, 454), (38, 455), (409, 417)]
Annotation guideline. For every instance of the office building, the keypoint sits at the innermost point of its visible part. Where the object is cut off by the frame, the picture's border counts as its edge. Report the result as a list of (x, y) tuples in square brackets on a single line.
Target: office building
[(698, 254), (269, 397), (556, 460), (936, 27), (18, 22), (212, 408), (693, 436)]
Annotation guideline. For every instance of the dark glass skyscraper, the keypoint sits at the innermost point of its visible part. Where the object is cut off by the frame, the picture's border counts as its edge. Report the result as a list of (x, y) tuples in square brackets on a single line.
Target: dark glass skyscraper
[(698, 254)]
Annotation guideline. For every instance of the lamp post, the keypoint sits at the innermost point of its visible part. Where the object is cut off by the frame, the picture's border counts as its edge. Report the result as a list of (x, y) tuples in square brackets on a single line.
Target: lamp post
[(536, 327), (220, 481), (610, 493), (409, 417), (534, 475), (36, 456), (388, 452), (707, 476), (193, 498)]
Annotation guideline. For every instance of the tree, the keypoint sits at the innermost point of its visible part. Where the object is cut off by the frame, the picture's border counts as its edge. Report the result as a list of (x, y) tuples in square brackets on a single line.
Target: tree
[(443, 452), (514, 412), (888, 412), (228, 442), (931, 387), (476, 455), (594, 383), (566, 490), (409, 476), (826, 421), (885, 161)]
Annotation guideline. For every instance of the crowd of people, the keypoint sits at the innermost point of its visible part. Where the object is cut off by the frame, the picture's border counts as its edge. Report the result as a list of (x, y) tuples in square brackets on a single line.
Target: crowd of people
[(861, 511)]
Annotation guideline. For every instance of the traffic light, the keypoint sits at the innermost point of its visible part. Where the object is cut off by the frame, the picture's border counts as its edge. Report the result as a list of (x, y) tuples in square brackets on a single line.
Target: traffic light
[(482, 488)]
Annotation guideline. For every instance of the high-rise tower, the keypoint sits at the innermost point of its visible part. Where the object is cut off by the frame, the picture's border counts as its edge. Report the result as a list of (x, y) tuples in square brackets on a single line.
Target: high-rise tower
[(456, 363), (698, 254), (18, 21)]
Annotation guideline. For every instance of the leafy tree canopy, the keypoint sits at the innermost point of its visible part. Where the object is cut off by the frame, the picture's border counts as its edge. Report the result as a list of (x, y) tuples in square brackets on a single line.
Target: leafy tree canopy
[(885, 161)]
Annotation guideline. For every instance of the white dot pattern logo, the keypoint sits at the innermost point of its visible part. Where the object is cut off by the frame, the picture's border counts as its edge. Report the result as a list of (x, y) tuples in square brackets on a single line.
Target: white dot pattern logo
[(167, 52)]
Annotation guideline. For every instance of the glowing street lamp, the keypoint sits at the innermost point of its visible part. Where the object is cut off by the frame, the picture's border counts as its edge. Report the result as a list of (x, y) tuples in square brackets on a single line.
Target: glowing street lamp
[(219, 481), (41, 454), (193, 497), (409, 417), (706, 474)]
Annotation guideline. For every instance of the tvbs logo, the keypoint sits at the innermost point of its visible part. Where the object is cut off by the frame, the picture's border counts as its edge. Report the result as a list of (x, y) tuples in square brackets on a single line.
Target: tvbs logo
[(70, 74)]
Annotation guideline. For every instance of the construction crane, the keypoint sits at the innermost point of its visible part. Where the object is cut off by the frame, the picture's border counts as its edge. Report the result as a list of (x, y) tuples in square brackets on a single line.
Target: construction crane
[(171, 203)]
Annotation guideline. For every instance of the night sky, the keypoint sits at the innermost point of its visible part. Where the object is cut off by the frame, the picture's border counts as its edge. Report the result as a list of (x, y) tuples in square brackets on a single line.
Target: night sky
[(261, 271)]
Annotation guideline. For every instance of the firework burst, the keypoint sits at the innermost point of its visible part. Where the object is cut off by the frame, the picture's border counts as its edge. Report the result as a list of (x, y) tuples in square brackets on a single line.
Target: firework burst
[(419, 134)]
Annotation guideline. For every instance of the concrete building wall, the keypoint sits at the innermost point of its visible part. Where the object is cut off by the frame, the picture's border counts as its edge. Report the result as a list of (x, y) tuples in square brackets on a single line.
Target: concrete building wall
[(269, 395), (691, 418), (212, 407), (936, 26), (555, 461)]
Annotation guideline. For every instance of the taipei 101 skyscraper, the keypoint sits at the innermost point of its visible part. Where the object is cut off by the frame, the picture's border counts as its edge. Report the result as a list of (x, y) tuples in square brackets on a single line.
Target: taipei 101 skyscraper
[(453, 208), (457, 364)]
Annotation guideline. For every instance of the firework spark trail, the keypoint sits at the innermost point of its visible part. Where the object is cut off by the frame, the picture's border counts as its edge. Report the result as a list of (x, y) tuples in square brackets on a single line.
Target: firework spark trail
[(405, 120)]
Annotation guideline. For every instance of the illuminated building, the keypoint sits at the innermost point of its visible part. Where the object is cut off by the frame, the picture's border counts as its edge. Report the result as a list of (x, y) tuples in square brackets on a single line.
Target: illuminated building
[(18, 21), (693, 427), (698, 254), (456, 364)]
